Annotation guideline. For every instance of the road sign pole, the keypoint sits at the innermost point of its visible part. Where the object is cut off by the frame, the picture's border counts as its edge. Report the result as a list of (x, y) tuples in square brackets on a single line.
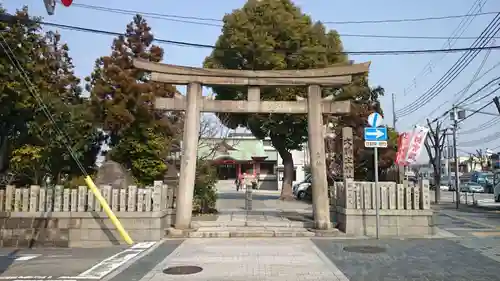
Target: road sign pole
[(377, 193)]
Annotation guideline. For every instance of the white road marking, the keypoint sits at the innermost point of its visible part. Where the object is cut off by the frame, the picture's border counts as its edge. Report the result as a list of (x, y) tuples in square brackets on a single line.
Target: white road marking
[(108, 265), (26, 258), (143, 245), (96, 272)]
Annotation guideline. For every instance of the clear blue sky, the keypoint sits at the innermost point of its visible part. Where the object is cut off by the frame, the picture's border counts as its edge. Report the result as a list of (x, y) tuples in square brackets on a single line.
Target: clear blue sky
[(394, 73)]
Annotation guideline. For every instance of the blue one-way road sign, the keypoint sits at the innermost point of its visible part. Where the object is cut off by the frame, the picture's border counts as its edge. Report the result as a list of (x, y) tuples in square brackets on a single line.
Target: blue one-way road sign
[(376, 134)]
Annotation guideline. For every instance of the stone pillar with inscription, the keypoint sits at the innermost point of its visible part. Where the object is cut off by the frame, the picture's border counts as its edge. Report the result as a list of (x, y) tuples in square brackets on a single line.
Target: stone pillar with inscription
[(348, 165), (347, 153)]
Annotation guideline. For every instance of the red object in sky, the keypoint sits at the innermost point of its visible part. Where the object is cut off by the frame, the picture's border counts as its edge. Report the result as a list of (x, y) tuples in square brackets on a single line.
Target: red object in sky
[(67, 3)]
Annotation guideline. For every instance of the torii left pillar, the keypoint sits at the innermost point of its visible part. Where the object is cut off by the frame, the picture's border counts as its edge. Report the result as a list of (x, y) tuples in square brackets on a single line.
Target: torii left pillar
[(184, 198)]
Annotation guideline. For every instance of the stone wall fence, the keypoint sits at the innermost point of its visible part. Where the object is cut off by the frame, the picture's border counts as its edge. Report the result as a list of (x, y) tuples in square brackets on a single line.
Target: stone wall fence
[(404, 209), (72, 217)]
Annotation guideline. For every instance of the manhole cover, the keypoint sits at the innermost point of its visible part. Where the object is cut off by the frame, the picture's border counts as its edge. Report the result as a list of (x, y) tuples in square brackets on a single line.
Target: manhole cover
[(182, 270), (364, 249)]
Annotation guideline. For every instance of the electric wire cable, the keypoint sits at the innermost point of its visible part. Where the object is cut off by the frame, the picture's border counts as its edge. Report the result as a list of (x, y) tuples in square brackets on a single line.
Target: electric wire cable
[(450, 43), (4, 18), (475, 75), (203, 22), (173, 16), (485, 86), (444, 114), (483, 97), (486, 125), (464, 90), (452, 73), (475, 112), (484, 140), (34, 92)]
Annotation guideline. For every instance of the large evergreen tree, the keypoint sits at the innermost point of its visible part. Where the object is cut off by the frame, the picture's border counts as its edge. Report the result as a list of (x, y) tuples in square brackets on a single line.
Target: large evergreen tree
[(274, 34), (36, 149), (123, 103)]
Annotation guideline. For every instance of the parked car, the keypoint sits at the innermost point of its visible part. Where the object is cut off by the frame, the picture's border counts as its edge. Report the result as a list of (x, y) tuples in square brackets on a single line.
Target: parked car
[(299, 189), (472, 187), (485, 179)]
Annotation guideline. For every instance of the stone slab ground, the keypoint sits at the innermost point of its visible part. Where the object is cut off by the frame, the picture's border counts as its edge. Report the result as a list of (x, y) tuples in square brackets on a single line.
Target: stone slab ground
[(323, 259)]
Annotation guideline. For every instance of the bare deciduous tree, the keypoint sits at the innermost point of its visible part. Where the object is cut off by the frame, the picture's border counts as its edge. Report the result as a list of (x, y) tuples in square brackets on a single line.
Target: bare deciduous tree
[(212, 133)]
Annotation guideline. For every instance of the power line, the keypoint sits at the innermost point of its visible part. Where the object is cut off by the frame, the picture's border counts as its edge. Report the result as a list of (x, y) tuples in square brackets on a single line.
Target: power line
[(459, 92), (188, 20), (475, 75), (444, 114), (486, 125), (205, 19), (485, 96), (34, 92), (484, 140), (475, 111), (453, 72), (490, 83), (457, 33), (8, 18)]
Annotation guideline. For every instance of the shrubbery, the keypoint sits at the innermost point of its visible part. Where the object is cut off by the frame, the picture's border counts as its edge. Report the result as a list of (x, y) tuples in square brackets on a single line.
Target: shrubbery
[(205, 193)]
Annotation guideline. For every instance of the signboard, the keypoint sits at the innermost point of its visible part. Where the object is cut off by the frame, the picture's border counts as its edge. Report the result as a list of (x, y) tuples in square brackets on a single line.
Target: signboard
[(403, 145), (373, 144), (375, 136), (416, 145)]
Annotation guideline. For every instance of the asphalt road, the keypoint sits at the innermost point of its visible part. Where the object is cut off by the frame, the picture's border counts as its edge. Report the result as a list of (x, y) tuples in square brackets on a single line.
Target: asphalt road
[(467, 248), (69, 264)]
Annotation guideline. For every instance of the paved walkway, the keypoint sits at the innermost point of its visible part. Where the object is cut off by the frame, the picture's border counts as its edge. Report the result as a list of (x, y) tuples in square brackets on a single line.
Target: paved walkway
[(229, 200), (301, 259)]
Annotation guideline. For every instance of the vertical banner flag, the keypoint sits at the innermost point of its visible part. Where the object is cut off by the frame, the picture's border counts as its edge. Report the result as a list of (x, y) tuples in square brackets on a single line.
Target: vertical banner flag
[(417, 142), (403, 144)]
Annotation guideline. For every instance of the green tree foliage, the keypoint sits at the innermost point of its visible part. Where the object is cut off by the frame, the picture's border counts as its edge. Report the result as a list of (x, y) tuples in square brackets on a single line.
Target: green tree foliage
[(205, 194), (123, 103), (274, 34), (48, 69), (366, 101)]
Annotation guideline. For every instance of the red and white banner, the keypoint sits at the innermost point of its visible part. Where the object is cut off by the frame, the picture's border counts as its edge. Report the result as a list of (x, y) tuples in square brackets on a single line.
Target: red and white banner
[(403, 144), (416, 145)]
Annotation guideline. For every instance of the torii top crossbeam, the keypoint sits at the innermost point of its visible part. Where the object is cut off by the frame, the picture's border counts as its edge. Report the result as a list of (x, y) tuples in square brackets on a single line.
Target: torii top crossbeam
[(182, 75)]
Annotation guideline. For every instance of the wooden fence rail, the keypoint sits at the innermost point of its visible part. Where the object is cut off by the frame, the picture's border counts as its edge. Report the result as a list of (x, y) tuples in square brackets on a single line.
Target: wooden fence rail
[(59, 199)]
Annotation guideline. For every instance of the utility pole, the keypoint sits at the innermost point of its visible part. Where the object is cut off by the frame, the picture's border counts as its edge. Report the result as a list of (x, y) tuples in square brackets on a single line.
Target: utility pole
[(394, 118), (457, 179), (497, 103)]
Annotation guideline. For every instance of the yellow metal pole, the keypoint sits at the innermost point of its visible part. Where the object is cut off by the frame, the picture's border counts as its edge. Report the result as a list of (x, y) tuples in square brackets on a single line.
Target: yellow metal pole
[(107, 209)]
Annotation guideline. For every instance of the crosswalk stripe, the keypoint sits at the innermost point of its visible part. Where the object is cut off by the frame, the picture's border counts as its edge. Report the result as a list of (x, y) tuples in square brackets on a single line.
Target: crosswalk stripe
[(26, 258)]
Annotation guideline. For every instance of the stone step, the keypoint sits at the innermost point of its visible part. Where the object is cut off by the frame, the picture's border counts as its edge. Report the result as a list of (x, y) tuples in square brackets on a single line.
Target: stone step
[(227, 232), (249, 223)]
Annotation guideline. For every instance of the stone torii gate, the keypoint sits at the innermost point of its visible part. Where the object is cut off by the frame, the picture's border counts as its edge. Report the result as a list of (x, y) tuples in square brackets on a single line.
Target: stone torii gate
[(193, 104)]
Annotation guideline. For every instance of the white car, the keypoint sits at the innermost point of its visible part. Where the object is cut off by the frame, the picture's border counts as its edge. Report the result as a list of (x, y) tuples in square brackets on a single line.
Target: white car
[(300, 190)]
